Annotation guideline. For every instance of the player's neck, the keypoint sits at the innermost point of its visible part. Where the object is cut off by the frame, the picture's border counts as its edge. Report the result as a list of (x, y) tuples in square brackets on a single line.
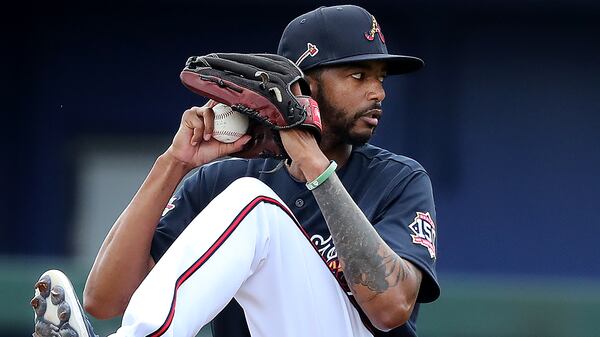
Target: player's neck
[(339, 153)]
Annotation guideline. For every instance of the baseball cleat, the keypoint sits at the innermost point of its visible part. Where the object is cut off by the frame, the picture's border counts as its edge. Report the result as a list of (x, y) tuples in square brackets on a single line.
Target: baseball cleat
[(58, 312)]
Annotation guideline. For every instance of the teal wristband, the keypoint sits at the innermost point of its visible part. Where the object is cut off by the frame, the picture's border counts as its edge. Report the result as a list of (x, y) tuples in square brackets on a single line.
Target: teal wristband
[(323, 176)]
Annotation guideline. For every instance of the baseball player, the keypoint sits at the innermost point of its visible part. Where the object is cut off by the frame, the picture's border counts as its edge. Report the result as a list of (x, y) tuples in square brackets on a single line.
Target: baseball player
[(340, 241)]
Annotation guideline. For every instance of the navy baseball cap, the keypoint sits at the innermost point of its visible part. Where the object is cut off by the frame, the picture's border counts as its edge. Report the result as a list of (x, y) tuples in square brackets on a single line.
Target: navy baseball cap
[(338, 35)]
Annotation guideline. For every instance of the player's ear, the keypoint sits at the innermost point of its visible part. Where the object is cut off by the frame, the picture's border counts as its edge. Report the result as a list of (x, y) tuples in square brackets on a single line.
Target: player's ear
[(305, 87), (312, 77), (311, 86)]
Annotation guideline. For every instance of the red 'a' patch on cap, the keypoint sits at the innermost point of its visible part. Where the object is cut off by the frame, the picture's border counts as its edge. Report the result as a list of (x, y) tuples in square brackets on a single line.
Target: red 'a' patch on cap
[(375, 29)]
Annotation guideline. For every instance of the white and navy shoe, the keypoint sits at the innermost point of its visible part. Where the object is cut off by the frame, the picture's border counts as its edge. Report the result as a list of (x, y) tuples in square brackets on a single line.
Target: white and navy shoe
[(58, 312)]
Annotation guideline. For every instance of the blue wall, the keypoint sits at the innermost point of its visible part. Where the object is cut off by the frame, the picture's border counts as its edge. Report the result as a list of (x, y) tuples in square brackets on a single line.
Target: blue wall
[(505, 116)]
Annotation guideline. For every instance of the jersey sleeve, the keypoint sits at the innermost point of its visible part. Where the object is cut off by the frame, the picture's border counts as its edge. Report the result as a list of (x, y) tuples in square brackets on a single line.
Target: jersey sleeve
[(194, 194), (185, 204), (407, 225)]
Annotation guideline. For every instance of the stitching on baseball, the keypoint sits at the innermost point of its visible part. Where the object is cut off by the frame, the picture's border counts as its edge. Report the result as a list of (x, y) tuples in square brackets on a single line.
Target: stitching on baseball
[(228, 133), (224, 115)]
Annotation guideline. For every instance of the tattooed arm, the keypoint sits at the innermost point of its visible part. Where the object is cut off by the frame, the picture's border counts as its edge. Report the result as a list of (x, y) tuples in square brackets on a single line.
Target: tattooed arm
[(384, 284)]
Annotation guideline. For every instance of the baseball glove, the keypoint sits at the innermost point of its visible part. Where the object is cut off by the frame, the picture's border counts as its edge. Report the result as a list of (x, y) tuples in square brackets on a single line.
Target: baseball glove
[(259, 86)]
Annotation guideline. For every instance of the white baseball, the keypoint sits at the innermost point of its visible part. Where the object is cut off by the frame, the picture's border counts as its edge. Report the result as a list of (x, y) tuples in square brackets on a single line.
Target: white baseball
[(229, 125)]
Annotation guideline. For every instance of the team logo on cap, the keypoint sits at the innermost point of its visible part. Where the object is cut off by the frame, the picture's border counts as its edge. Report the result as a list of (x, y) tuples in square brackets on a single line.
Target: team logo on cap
[(424, 232), (375, 29), (311, 50)]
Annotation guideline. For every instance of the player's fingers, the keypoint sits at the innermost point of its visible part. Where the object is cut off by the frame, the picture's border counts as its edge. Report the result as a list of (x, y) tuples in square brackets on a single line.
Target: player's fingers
[(191, 115), (194, 121), (211, 103), (187, 123), (209, 119), (197, 136)]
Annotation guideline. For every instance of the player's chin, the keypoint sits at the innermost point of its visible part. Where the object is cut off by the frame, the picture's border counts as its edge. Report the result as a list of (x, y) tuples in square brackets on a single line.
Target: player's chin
[(361, 136)]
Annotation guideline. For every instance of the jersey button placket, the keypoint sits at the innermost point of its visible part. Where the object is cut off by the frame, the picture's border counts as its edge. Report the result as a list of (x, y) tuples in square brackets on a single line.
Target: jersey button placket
[(299, 202)]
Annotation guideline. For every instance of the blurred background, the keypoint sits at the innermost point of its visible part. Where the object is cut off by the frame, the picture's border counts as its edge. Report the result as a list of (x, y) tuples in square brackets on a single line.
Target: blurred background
[(505, 117)]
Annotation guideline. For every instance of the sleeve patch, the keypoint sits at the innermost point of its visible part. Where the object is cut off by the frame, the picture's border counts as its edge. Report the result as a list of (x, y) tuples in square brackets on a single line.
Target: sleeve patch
[(169, 206), (424, 233)]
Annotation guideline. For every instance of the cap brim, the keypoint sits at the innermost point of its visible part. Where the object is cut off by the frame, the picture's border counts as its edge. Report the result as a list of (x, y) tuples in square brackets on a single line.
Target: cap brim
[(396, 64)]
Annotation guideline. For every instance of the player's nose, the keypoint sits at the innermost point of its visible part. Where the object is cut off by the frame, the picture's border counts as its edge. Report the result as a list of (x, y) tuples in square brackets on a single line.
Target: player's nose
[(376, 91)]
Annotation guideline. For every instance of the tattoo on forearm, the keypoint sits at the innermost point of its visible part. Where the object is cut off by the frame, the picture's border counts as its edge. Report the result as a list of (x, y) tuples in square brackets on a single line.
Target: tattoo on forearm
[(361, 251)]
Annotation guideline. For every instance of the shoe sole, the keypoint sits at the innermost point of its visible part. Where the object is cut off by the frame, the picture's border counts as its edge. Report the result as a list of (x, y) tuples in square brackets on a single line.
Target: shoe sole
[(58, 312)]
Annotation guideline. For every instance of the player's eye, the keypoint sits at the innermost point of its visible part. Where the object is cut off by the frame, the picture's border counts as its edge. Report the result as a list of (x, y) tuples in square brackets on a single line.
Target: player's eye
[(358, 76), (382, 77)]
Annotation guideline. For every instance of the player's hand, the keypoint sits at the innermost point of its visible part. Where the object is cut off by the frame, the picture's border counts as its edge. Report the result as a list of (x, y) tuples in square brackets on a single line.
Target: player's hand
[(305, 153), (303, 149), (193, 144)]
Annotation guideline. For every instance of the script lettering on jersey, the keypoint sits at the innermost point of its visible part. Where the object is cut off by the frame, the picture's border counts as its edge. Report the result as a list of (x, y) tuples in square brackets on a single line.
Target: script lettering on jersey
[(424, 232), (327, 250), (325, 247)]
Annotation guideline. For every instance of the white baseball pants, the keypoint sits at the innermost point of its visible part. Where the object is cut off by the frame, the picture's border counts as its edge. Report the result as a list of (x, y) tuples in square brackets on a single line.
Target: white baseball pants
[(245, 245)]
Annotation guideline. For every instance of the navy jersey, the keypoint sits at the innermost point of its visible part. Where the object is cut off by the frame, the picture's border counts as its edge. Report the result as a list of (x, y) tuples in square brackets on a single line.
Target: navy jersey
[(394, 192)]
